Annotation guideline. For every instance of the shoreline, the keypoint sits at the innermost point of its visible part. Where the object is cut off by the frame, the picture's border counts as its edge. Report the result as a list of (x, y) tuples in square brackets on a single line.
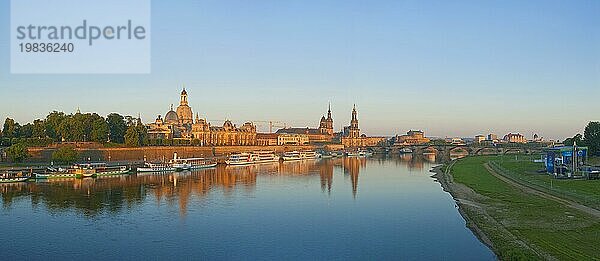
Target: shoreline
[(450, 187)]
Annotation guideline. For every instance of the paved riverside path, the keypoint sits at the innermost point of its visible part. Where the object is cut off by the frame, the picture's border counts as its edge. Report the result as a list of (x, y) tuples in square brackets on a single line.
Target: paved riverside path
[(592, 211)]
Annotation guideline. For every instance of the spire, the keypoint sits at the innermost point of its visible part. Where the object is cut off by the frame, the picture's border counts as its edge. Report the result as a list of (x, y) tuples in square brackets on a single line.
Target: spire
[(329, 111), (183, 100), (171, 106)]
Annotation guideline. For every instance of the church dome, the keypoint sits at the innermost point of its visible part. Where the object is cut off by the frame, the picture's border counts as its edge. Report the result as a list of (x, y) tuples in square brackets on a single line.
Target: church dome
[(184, 114), (171, 117)]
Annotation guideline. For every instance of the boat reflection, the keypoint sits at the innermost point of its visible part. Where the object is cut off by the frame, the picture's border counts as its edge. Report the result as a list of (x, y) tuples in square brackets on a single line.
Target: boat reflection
[(112, 194)]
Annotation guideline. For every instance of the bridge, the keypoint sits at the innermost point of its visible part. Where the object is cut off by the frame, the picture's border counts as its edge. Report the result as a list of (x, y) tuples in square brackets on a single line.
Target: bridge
[(473, 149)]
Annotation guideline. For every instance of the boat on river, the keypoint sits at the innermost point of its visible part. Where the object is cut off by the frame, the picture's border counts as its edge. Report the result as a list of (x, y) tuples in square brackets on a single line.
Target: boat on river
[(10, 177), (252, 158), (300, 155), (156, 167), (192, 164), (85, 170), (55, 173), (359, 153)]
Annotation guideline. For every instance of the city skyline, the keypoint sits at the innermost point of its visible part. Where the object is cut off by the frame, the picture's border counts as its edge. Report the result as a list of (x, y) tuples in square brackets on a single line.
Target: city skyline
[(504, 67)]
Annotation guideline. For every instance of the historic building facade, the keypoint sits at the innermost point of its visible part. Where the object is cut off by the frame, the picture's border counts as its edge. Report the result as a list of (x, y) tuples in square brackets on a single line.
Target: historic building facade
[(412, 137), (323, 134), (515, 137), (180, 124), (352, 137)]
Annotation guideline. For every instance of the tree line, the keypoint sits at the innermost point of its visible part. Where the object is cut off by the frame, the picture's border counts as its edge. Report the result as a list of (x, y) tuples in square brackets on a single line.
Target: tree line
[(590, 138), (78, 127)]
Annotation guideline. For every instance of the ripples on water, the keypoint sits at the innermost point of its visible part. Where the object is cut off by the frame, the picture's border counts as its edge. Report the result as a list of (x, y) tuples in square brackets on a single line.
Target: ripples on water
[(345, 208)]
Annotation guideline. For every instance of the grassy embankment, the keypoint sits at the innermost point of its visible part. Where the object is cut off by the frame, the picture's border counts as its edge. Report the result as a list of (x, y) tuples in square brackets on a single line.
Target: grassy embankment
[(524, 171), (522, 225)]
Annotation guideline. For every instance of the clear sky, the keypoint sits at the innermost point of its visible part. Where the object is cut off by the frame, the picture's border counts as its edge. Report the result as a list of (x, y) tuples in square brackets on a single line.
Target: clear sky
[(451, 68)]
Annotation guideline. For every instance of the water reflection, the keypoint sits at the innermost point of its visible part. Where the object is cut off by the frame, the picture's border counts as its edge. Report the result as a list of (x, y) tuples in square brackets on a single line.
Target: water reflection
[(91, 196), (291, 210)]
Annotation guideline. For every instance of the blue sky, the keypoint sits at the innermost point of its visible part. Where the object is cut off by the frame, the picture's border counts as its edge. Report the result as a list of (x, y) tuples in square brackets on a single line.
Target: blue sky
[(451, 68)]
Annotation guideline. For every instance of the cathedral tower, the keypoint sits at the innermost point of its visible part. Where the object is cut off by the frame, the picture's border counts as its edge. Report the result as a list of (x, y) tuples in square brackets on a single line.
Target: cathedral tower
[(184, 112)]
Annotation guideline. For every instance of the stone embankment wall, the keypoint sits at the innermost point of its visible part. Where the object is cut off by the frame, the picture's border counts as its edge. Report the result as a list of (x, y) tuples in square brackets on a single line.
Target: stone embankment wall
[(157, 153)]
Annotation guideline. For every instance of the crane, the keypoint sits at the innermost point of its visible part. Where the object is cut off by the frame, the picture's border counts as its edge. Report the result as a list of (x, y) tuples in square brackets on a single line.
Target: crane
[(271, 123)]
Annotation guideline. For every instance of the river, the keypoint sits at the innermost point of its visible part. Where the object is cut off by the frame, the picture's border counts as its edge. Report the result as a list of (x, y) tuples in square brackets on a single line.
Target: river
[(345, 208)]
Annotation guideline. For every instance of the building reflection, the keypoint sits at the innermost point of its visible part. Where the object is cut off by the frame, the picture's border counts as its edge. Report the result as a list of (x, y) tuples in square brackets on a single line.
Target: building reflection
[(95, 196), (111, 194), (352, 166)]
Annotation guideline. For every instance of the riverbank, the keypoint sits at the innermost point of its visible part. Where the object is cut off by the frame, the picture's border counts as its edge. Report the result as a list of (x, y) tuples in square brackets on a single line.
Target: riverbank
[(518, 223), (157, 153)]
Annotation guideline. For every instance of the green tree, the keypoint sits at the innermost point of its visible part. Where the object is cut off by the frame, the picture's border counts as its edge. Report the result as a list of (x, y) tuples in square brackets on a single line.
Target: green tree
[(116, 127), (39, 129), (132, 137), (65, 155), (99, 132), (577, 138), (10, 129), (26, 131), (591, 137), (142, 132), (17, 152), (52, 123)]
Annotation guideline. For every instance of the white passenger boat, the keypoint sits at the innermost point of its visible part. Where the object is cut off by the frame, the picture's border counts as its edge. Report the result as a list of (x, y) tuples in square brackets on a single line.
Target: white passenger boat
[(85, 170), (10, 177), (53, 173), (192, 163), (359, 153), (252, 158), (300, 155), (156, 167), (406, 150)]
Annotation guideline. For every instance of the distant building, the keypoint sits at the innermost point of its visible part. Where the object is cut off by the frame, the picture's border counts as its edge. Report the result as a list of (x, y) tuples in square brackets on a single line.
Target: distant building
[(412, 137), (292, 139), (323, 134), (492, 137), (179, 124), (515, 138), (266, 139), (479, 139), (351, 136), (455, 141)]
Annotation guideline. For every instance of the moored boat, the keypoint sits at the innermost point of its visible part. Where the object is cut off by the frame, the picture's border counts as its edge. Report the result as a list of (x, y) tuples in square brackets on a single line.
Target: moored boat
[(53, 173), (200, 163), (10, 177), (239, 159), (192, 163), (111, 171), (86, 170), (300, 155), (406, 150), (252, 158), (155, 167), (359, 153)]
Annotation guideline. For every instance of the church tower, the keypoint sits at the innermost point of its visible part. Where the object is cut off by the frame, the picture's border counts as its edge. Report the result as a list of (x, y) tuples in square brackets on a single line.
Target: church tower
[(354, 130), (184, 112), (326, 124)]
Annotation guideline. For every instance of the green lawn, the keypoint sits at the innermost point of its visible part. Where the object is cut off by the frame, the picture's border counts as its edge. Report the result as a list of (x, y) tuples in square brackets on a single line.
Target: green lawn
[(586, 192), (594, 161), (547, 227)]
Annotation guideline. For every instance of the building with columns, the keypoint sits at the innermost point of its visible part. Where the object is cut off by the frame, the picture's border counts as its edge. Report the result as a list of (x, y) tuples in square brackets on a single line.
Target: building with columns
[(180, 124)]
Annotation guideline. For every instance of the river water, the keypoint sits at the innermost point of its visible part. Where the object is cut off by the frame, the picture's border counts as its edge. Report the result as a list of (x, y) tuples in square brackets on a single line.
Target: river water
[(345, 208)]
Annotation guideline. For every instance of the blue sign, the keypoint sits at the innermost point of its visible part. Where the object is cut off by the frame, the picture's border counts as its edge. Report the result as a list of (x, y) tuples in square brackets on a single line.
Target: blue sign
[(550, 162)]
